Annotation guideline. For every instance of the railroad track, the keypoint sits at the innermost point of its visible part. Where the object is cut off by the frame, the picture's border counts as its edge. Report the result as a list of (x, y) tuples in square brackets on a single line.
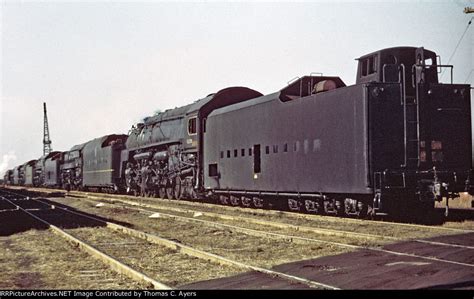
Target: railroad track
[(20, 252), (284, 218), (191, 208), (170, 244), (153, 209), (314, 218), (262, 224), (46, 215), (294, 238)]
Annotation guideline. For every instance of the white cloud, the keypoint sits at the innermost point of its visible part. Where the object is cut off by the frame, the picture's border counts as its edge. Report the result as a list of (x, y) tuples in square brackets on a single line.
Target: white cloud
[(7, 162)]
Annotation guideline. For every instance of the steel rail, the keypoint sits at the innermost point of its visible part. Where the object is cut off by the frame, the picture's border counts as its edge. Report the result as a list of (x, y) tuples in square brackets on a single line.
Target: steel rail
[(285, 213), (308, 229), (94, 252), (199, 253), (305, 239), (262, 212)]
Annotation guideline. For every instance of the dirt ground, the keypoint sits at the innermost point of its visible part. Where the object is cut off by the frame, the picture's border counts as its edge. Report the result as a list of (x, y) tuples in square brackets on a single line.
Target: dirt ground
[(39, 259), (28, 253), (163, 264), (365, 269), (256, 251)]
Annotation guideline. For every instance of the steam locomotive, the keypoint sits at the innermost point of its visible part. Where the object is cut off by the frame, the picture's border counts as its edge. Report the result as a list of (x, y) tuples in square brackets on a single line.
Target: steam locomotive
[(397, 140)]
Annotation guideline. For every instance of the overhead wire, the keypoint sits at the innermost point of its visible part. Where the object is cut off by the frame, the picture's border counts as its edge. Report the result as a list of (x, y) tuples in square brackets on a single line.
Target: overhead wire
[(468, 76), (457, 46)]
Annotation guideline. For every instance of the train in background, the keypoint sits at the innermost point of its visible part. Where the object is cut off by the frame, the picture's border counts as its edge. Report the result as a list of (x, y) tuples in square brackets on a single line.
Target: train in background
[(396, 140)]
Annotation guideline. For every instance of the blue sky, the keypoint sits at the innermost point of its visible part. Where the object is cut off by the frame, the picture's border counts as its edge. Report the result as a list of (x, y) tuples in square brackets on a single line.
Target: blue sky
[(102, 66)]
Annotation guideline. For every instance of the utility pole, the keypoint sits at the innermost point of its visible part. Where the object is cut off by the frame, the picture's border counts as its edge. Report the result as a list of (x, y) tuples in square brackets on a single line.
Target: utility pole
[(46, 141), (468, 10)]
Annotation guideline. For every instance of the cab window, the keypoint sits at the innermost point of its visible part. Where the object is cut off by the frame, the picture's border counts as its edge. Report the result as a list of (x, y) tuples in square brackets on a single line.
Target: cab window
[(368, 66), (192, 128)]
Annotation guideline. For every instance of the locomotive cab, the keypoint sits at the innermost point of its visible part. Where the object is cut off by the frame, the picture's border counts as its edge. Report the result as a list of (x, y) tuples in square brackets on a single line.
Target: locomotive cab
[(398, 64)]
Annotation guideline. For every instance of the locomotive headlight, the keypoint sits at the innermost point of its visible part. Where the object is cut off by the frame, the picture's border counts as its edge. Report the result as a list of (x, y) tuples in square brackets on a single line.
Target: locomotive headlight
[(430, 91)]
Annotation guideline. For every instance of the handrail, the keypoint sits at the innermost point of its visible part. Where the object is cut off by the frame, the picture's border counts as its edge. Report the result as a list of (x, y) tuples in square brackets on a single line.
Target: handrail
[(447, 65), (293, 80), (404, 103), (383, 72)]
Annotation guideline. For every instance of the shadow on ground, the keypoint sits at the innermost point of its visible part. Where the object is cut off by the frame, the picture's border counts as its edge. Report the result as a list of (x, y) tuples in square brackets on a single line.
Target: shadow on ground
[(13, 220)]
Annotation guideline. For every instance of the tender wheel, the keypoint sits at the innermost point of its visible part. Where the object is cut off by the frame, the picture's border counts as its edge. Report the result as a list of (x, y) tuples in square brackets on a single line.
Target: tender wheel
[(257, 202), (312, 207), (246, 202), (339, 208), (223, 199), (234, 200), (347, 207)]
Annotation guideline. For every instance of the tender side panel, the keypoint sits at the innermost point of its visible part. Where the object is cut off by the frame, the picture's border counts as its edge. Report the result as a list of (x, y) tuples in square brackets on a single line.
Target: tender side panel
[(312, 144), (51, 170), (97, 166), (29, 175)]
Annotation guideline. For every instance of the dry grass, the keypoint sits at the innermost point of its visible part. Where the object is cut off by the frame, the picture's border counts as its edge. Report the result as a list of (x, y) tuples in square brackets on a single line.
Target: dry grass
[(464, 201), (175, 269), (326, 222), (256, 251), (330, 222), (42, 260), (159, 262)]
